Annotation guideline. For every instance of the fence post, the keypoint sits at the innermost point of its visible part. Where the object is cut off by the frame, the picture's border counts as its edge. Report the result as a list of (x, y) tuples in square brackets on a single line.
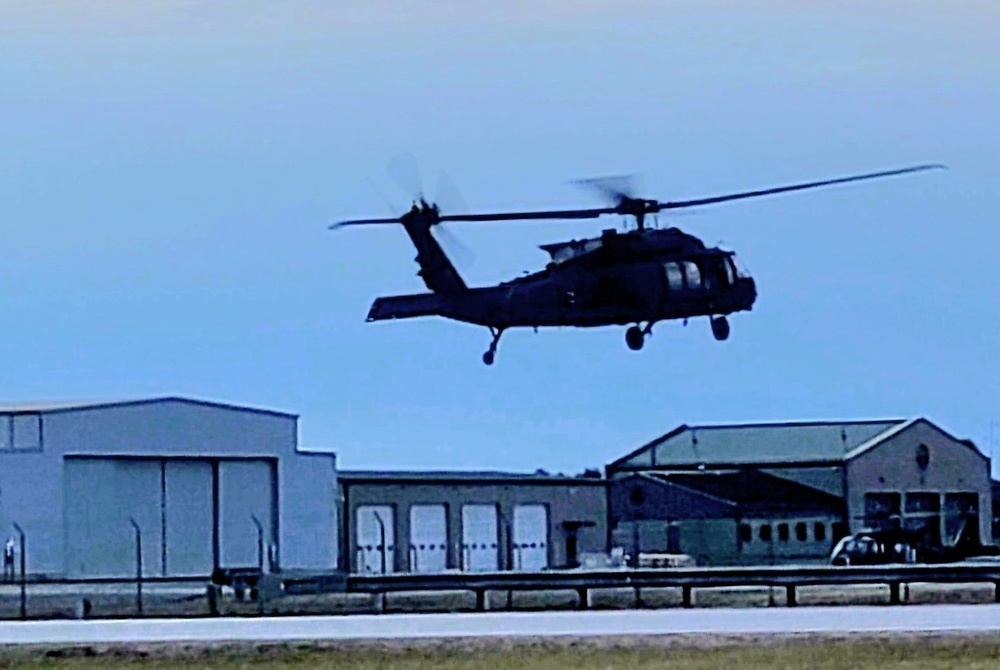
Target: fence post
[(382, 547), (138, 565), (257, 591), (24, 592), (260, 542)]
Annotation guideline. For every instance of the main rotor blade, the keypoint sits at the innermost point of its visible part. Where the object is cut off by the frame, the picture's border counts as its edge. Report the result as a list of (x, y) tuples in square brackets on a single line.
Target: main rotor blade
[(793, 187), (360, 222), (519, 216)]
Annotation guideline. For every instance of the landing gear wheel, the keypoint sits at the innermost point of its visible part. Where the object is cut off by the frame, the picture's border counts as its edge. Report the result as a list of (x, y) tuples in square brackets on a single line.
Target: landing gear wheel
[(491, 352), (634, 338), (720, 328)]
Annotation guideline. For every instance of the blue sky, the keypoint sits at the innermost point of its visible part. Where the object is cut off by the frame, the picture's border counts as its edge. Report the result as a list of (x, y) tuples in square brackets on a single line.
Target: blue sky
[(169, 170)]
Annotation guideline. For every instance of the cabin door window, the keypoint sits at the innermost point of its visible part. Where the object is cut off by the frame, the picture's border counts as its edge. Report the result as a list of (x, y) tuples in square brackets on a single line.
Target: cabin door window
[(692, 274), (675, 278)]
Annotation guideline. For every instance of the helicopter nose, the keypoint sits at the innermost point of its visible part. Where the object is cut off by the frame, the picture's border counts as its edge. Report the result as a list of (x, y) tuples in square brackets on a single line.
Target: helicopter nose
[(748, 290)]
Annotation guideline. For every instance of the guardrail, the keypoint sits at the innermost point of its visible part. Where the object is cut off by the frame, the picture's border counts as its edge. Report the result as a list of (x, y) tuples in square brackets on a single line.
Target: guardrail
[(687, 579)]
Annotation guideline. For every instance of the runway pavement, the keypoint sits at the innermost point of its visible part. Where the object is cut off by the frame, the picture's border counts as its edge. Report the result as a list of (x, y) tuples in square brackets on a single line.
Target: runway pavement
[(781, 620)]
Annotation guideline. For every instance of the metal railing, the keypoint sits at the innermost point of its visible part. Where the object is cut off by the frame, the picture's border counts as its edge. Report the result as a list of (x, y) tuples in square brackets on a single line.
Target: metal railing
[(687, 579)]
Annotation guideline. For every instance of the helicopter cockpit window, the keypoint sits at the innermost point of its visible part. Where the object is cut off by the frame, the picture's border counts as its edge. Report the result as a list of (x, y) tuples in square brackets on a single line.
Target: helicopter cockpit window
[(693, 274), (675, 280), (740, 270), (730, 277)]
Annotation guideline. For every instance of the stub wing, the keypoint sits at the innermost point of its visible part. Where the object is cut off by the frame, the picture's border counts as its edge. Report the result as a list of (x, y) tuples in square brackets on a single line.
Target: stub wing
[(406, 306)]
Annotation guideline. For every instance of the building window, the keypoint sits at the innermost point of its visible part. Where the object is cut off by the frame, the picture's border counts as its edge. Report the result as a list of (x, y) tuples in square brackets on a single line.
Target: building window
[(819, 531), (765, 532), (783, 532), (21, 432), (637, 496), (801, 534), (746, 534)]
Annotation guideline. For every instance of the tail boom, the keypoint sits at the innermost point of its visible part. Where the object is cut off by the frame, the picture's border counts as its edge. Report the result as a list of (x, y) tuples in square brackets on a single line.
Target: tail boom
[(393, 307)]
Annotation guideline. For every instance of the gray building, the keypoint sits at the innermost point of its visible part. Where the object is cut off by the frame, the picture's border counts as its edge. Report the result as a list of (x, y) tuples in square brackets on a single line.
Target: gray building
[(996, 512), (723, 517), (195, 478), (469, 521), (848, 476)]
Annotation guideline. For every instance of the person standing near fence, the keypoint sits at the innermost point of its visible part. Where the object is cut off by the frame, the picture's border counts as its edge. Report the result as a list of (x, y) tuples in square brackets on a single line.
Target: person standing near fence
[(8, 560)]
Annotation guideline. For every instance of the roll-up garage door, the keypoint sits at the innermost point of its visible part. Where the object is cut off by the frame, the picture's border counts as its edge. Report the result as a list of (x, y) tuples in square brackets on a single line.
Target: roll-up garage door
[(188, 516), (479, 538), (246, 490), (375, 539), (101, 498), (531, 532), (428, 538)]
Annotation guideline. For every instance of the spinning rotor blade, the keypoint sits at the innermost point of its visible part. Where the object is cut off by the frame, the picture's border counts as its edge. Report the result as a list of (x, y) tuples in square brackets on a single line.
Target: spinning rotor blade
[(360, 222), (525, 216), (613, 188), (633, 207), (793, 187), (404, 171)]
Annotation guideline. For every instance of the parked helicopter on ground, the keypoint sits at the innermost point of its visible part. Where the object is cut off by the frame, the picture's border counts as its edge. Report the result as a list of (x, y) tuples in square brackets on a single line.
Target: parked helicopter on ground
[(642, 275)]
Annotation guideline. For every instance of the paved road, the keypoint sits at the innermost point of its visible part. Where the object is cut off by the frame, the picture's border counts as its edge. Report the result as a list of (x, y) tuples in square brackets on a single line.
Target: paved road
[(726, 621)]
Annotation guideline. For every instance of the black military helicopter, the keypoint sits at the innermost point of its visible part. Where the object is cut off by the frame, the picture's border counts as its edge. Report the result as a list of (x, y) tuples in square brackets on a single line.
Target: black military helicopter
[(642, 275)]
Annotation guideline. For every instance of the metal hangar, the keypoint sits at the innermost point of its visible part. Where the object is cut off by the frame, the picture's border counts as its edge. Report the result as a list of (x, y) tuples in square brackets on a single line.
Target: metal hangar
[(760, 493), (469, 521), (201, 484)]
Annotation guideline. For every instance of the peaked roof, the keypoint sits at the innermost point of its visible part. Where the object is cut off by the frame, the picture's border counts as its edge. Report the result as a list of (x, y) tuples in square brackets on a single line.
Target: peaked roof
[(50, 407), (756, 492), (722, 445)]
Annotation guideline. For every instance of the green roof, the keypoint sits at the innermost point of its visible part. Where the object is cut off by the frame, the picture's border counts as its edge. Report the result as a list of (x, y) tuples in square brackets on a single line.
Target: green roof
[(775, 444)]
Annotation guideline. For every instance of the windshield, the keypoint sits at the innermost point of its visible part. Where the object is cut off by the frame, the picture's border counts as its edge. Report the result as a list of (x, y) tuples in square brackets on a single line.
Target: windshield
[(741, 271)]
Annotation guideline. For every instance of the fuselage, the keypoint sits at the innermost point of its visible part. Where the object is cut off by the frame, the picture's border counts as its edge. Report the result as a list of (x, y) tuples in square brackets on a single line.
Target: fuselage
[(616, 294)]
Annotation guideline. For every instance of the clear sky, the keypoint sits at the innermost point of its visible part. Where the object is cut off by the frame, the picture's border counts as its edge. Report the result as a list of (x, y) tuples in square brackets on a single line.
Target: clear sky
[(168, 171)]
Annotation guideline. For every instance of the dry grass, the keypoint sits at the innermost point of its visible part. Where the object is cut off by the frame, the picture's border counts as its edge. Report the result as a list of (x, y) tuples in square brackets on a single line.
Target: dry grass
[(912, 652)]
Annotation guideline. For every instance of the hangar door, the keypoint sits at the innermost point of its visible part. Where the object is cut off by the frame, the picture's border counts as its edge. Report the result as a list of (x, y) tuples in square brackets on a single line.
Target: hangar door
[(375, 540), (428, 538), (479, 538), (187, 515), (531, 532), (101, 498), (171, 501), (246, 498)]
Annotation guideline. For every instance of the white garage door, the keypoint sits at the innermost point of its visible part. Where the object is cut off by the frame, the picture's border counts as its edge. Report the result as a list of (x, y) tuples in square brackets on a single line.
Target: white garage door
[(531, 532), (246, 490), (375, 553), (188, 515), (100, 497), (428, 538), (480, 552)]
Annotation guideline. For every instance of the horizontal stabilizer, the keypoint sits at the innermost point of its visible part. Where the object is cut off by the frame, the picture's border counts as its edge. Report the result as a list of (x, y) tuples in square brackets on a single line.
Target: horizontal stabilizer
[(406, 306)]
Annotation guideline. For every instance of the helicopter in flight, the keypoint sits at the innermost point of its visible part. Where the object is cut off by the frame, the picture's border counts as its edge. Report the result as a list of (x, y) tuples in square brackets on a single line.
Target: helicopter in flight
[(641, 276)]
